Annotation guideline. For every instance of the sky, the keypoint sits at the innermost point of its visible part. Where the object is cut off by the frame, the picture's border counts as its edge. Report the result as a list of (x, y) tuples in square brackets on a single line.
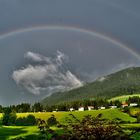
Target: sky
[(48, 46)]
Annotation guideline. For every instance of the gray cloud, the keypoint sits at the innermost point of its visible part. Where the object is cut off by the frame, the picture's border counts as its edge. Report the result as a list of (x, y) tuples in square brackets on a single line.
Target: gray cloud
[(34, 56), (49, 77)]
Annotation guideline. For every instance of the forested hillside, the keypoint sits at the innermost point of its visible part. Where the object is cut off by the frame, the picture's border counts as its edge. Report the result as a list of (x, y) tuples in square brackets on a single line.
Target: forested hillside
[(124, 82)]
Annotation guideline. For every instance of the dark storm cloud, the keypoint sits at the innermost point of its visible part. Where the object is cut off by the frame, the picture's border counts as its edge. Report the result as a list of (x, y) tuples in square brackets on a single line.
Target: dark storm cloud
[(89, 57), (119, 18)]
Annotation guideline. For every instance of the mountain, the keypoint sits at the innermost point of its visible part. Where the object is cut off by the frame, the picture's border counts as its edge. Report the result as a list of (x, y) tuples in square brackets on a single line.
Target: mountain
[(123, 82)]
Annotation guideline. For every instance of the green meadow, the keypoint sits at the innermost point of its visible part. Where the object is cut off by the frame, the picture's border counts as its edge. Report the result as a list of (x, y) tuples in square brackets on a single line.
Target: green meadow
[(32, 132), (61, 116), (10, 132), (123, 98)]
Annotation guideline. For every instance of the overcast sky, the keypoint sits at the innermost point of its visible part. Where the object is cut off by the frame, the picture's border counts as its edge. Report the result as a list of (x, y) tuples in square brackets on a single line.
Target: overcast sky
[(50, 45)]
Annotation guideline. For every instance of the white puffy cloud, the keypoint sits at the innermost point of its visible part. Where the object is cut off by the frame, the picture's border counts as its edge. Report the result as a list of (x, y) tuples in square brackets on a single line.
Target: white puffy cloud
[(49, 76)]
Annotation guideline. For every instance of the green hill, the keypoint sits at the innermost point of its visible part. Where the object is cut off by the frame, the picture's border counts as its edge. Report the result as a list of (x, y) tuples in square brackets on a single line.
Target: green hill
[(123, 98), (124, 82)]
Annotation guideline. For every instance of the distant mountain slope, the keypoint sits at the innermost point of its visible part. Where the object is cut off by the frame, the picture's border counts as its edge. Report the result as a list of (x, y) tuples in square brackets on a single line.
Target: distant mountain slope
[(123, 98), (124, 82)]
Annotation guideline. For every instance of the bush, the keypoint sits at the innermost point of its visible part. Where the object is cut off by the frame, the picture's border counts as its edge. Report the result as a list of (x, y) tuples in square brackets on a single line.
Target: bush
[(28, 121), (94, 128), (89, 128), (9, 117), (21, 121), (138, 117), (31, 120), (52, 121)]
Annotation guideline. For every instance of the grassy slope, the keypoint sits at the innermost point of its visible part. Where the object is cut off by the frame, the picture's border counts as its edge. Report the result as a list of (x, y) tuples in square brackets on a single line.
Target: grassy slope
[(123, 98), (61, 116), (30, 132), (120, 83), (9, 132), (134, 110)]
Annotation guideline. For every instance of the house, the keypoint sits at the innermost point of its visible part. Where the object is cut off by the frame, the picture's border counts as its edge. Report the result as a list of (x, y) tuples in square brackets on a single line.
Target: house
[(124, 105), (56, 110), (133, 104), (81, 108), (72, 109), (90, 108), (102, 107), (113, 107)]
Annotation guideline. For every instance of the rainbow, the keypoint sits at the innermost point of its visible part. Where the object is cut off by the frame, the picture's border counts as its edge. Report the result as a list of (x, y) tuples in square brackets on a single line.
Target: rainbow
[(77, 29)]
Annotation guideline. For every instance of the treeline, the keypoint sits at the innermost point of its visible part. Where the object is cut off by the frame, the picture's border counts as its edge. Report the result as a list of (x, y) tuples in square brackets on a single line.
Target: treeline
[(134, 99), (23, 108), (99, 102)]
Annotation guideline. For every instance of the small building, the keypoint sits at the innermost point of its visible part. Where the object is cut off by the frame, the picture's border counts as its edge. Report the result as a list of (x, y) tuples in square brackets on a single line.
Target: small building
[(56, 110), (71, 109), (113, 107), (81, 108), (102, 107), (90, 108), (124, 105), (133, 104)]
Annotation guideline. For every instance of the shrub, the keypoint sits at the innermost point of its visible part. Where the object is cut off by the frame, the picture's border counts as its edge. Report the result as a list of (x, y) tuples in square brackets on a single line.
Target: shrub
[(94, 128), (28, 121), (138, 117), (88, 128), (31, 120), (9, 117), (52, 121), (21, 121), (45, 131)]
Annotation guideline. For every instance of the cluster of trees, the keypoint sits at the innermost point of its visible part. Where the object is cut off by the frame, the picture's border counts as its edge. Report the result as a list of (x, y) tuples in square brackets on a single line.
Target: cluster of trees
[(23, 108), (100, 102), (10, 118), (38, 107), (134, 99)]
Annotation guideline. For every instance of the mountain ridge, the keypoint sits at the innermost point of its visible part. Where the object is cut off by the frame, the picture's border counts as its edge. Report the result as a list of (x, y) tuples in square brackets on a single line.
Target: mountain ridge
[(123, 82)]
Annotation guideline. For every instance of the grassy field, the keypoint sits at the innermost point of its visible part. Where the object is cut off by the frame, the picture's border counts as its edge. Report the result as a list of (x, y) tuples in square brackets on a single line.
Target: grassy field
[(31, 132), (61, 116), (123, 98), (10, 132), (134, 110)]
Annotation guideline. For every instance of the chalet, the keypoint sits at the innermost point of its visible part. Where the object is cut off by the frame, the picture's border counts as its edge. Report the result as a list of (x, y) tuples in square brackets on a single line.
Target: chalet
[(90, 108), (102, 107), (124, 105), (113, 107), (81, 108), (72, 109), (133, 104)]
